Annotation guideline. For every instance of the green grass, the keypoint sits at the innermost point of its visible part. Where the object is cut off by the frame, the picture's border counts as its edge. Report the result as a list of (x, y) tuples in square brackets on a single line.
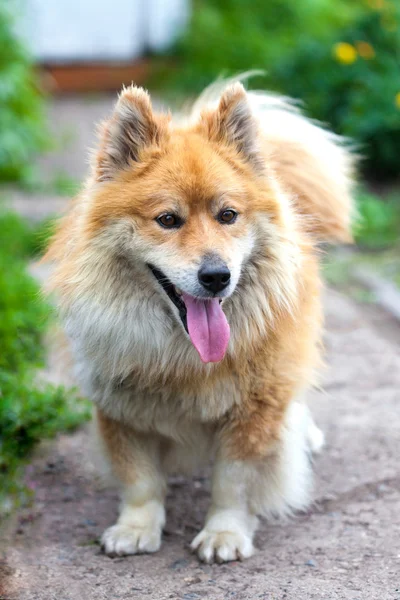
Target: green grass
[(378, 223), (377, 236), (30, 410)]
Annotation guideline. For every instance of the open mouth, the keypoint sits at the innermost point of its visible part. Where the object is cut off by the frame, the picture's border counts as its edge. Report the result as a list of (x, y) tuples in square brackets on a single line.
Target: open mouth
[(172, 292), (203, 319)]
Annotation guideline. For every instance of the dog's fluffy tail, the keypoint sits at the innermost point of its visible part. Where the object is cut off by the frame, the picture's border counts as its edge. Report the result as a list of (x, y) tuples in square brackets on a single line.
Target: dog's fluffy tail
[(314, 165)]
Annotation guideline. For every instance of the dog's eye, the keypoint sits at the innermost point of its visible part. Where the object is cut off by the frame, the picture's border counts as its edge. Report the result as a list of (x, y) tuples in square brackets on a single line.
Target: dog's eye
[(169, 220), (227, 216)]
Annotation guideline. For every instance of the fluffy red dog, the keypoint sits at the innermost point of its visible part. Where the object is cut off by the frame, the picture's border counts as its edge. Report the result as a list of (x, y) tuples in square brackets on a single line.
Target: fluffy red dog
[(187, 280)]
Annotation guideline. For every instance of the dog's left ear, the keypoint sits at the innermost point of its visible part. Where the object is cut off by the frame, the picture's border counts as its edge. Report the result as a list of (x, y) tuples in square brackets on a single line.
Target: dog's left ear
[(233, 122)]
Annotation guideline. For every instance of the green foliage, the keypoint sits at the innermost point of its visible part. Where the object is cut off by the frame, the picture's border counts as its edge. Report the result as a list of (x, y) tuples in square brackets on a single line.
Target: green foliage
[(378, 224), (310, 50), (30, 410), (231, 36), (22, 129), (64, 185), (21, 239), (353, 83)]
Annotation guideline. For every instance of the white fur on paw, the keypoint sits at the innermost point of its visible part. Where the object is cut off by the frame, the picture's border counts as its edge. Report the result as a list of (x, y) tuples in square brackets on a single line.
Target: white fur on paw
[(222, 546), (121, 540), (316, 438)]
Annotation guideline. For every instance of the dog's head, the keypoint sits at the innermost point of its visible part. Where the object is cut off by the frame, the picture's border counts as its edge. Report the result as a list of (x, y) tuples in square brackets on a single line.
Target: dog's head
[(185, 204)]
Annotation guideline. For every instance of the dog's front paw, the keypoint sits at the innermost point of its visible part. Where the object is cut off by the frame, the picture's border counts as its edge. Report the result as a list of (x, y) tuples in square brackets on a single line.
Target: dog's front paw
[(227, 535), (137, 531), (121, 540), (222, 546)]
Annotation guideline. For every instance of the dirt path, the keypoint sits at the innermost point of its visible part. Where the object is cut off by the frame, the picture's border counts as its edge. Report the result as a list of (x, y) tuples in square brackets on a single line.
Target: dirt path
[(346, 547)]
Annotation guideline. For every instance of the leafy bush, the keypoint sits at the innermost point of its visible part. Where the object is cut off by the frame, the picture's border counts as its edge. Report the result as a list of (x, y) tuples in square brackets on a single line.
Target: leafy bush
[(231, 36), (342, 59), (30, 410), (22, 129), (378, 223), (353, 83), (20, 239)]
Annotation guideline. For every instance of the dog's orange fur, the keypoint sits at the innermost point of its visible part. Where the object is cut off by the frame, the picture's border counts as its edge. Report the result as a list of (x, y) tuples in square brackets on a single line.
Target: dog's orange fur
[(261, 366), (194, 169)]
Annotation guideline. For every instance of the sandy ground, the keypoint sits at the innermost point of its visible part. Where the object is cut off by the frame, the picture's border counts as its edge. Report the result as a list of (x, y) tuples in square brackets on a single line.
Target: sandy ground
[(347, 546)]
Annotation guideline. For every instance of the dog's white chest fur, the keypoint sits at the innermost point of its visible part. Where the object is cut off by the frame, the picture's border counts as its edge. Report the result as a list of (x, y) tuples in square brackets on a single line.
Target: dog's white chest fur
[(128, 358)]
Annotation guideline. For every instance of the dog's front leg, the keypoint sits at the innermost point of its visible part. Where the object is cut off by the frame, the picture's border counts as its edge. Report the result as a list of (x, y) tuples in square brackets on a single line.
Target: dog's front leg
[(261, 468), (230, 526), (135, 463)]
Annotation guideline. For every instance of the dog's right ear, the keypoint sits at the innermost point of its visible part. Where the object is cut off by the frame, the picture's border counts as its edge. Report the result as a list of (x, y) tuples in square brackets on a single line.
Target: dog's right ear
[(132, 127)]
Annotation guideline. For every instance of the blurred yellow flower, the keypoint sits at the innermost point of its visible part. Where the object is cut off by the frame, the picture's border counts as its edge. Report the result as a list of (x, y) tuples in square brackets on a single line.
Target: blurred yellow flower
[(397, 100), (345, 53), (377, 4), (365, 50)]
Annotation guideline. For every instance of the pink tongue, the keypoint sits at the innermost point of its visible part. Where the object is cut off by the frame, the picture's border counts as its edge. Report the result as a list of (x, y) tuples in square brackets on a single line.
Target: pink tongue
[(208, 327)]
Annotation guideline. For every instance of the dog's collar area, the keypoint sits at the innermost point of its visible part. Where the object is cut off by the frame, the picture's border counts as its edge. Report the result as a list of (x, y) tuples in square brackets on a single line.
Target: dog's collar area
[(169, 289)]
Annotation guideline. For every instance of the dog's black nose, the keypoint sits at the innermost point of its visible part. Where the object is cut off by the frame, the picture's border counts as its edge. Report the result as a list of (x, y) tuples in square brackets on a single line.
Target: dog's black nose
[(214, 276)]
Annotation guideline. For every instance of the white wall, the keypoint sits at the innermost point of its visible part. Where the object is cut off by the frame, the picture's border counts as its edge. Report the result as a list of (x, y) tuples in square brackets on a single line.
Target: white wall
[(101, 30)]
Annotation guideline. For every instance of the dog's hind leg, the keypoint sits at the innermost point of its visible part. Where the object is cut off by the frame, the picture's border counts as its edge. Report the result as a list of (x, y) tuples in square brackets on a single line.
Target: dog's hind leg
[(315, 437), (135, 462), (285, 477)]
